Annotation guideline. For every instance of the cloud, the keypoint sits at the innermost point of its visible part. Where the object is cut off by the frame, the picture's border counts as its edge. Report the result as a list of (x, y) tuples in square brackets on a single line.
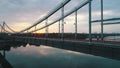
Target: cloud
[(15, 12), (19, 25)]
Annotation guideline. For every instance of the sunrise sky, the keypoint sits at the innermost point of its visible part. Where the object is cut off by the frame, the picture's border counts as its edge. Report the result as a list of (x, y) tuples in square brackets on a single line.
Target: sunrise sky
[(19, 14)]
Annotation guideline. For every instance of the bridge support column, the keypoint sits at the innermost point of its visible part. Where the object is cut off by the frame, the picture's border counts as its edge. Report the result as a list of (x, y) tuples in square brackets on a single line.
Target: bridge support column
[(102, 20), (3, 27), (46, 23), (59, 29), (90, 28), (75, 24), (62, 23), (35, 29)]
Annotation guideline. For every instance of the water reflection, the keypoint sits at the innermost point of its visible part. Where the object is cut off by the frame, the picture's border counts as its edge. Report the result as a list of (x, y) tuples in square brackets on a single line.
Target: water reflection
[(3, 62), (6, 46), (22, 55)]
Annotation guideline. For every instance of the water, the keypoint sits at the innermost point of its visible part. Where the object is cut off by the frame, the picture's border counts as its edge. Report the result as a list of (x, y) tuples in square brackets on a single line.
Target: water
[(48, 57)]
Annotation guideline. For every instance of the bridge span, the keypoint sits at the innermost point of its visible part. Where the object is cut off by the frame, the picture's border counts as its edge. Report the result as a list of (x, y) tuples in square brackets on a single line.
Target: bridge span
[(86, 44)]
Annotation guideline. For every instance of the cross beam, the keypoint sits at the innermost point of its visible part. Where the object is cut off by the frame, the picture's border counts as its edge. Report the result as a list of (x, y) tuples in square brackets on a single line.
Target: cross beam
[(110, 19)]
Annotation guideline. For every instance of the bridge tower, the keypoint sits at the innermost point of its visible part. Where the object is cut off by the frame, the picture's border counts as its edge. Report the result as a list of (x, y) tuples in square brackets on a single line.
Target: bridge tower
[(62, 10), (75, 24), (102, 20), (90, 26), (3, 27), (46, 23)]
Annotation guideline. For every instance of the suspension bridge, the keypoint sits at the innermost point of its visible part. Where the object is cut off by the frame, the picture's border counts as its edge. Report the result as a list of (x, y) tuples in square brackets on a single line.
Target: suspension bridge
[(90, 43)]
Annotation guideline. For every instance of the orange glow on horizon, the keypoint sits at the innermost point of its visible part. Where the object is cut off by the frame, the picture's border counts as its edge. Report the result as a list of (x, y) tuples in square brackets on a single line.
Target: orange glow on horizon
[(20, 26)]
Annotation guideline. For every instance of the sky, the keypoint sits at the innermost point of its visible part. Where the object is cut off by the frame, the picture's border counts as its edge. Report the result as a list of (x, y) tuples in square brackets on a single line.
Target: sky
[(20, 14)]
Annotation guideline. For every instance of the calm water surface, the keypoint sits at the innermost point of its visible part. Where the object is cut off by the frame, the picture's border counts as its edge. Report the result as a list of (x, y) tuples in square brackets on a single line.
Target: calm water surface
[(48, 57)]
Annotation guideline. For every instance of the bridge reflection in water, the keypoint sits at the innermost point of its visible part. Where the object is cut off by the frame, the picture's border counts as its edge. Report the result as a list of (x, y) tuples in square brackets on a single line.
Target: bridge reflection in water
[(6, 46)]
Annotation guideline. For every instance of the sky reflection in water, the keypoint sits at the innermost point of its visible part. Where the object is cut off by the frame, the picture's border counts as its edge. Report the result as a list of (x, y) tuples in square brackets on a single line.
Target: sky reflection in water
[(48, 57)]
